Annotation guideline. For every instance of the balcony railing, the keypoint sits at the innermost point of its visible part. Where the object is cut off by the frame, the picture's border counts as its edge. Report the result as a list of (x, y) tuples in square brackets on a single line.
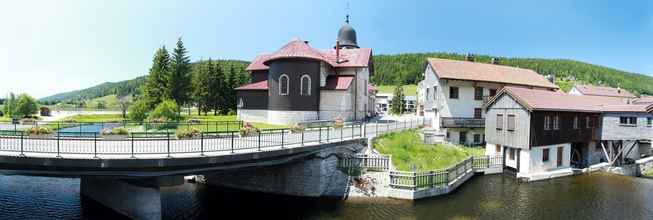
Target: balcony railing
[(457, 122)]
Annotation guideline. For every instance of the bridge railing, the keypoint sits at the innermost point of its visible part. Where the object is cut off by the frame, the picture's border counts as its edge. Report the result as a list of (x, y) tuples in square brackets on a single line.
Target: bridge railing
[(168, 144)]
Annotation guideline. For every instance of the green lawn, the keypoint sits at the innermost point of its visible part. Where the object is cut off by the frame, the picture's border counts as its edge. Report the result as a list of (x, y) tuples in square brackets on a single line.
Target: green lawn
[(407, 149), (5, 119), (409, 90), (95, 118)]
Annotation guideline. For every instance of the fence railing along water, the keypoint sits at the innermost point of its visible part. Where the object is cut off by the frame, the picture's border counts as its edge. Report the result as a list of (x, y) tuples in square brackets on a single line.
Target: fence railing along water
[(372, 163), (167, 144), (442, 178)]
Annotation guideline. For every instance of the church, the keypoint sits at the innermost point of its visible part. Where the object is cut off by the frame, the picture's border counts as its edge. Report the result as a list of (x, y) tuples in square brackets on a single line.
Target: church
[(300, 83)]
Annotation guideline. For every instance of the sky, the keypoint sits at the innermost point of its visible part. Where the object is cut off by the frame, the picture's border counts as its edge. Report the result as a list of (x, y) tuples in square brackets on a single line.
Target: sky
[(57, 46)]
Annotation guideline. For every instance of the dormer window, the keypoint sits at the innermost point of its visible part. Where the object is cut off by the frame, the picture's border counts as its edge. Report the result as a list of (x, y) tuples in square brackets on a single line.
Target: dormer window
[(283, 84)]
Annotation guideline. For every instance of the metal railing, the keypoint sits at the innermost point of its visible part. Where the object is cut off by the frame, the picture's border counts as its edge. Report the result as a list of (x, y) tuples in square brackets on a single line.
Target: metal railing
[(461, 122), (442, 178), (167, 144), (372, 163)]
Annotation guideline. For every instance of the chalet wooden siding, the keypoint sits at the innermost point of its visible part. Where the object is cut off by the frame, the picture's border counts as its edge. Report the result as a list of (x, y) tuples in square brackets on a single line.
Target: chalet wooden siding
[(613, 129), (508, 108), (565, 132)]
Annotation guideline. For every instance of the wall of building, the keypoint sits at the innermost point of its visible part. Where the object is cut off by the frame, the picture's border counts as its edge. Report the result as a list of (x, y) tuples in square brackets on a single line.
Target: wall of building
[(566, 133), (253, 115), (252, 99), (535, 163), (506, 105), (612, 129), (454, 135), (294, 69), (258, 76), (336, 103), (359, 87), (290, 117)]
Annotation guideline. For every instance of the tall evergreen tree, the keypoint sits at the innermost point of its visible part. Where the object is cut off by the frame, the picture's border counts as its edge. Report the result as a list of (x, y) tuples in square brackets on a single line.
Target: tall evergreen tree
[(216, 91), (180, 78), (201, 86), (233, 81), (156, 86), (10, 105), (397, 102)]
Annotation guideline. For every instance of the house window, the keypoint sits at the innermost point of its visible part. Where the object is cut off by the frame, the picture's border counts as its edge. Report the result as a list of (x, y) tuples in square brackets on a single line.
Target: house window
[(556, 122), (478, 113), (499, 121), (283, 84), (545, 155), (364, 84), (547, 122), (462, 138), (477, 138), (435, 92), (575, 122), (511, 122), (628, 120), (493, 92), (478, 93), (427, 93), (497, 148), (241, 103), (306, 85), (448, 135), (453, 92), (512, 154), (559, 159), (588, 122), (649, 121)]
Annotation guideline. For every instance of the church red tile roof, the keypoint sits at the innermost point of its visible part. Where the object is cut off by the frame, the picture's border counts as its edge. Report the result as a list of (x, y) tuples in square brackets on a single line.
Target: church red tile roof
[(483, 72), (262, 85), (603, 91), (300, 49), (338, 82)]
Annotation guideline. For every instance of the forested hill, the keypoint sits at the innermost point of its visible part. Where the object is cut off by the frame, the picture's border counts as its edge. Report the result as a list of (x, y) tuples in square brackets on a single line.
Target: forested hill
[(128, 87), (407, 69)]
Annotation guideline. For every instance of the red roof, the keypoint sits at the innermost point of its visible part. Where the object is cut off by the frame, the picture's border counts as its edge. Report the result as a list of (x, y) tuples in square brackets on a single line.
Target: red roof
[(262, 85), (338, 82), (473, 71), (537, 99), (603, 91), (299, 49), (644, 100)]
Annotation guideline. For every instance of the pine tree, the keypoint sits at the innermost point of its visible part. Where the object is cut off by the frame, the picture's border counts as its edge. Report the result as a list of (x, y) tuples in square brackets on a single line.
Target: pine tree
[(180, 78), (200, 86), (156, 86), (233, 81), (216, 91), (397, 102)]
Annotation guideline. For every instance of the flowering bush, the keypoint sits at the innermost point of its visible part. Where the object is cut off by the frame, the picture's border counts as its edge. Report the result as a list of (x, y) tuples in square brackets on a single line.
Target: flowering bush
[(39, 131), (115, 131), (297, 128), (188, 133), (248, 130)]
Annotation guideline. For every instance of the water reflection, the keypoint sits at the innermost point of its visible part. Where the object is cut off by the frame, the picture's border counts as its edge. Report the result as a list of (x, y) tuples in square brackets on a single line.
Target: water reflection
[(596, 196)]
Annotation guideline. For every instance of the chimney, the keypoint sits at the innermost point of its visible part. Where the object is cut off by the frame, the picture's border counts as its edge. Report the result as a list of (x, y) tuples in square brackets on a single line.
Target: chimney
[(619, 90), (551, 78), (469, 57), (495, 60), (337, 51)]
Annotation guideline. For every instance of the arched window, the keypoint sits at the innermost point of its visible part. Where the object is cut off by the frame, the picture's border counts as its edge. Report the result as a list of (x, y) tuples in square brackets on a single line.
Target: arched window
[(305, 85), (283, 84)]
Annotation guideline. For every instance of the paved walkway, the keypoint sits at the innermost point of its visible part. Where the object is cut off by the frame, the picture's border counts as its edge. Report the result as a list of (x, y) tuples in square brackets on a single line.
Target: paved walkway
[(89, 148)]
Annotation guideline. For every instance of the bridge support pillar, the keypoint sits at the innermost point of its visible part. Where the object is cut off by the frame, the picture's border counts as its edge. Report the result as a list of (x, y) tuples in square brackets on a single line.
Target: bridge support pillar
[(134, 198)]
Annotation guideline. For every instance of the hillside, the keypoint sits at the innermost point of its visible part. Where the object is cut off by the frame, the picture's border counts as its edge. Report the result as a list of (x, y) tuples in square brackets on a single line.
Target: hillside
[(407, 69), (124, 88)]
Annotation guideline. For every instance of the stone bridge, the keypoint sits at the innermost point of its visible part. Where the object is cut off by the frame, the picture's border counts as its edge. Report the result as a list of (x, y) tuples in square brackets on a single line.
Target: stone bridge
[(126, 174)]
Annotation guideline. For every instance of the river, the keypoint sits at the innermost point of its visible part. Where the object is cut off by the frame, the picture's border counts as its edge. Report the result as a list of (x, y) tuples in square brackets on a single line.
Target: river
[(595, 196)]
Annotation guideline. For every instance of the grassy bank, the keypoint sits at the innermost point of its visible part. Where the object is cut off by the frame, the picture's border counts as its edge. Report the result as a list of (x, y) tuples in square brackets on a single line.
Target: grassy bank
[(409, 90), (5, 119), (95, 118), (407, 149)]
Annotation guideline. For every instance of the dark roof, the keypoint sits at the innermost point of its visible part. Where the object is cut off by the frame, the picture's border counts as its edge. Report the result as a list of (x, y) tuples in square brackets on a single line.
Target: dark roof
[(299, 49), (472, 71), (338, 82), (262, 85), (347, 36)]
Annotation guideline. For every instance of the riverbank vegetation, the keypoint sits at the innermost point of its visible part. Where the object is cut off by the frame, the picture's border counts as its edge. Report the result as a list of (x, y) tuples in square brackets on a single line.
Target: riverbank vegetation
[(408, 150)]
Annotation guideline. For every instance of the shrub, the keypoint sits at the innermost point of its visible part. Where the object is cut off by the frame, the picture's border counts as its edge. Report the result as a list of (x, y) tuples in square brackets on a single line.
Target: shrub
[(166, 109), (297, 128), (248, 130), (138, 111), (39, 131), (115, 131), (161, 123), (188, 133), (338, 122), (231, 112), (26, 106), (194, 121)]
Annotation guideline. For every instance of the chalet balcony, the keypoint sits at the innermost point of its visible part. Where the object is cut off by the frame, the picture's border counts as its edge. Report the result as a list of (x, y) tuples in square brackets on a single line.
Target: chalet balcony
[(458, 122)]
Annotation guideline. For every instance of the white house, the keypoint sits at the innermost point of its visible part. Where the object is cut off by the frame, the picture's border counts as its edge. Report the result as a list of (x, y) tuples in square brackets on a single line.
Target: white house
[(453, 92)]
